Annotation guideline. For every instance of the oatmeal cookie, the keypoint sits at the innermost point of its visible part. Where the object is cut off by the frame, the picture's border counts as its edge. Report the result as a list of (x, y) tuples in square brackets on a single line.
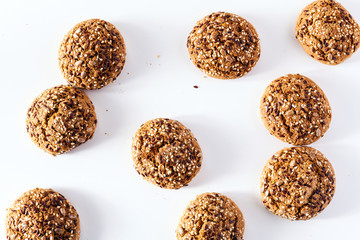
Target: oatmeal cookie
[(327, 32), (42, 214), (297, 183), (295, 110), (60, 119), (166, 153), (92, 54), (224, 45), (211, 216)]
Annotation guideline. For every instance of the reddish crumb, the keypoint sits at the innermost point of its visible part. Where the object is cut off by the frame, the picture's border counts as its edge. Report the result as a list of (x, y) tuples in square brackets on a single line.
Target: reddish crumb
[(196, 86)]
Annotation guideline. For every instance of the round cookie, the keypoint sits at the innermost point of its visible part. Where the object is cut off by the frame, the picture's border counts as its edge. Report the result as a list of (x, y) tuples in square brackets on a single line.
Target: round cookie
[(295, 110), (166, 153), (224, 45), (327, 32), (297, 183), (92, 54), (60, 119), (211, 216), (42, 214)]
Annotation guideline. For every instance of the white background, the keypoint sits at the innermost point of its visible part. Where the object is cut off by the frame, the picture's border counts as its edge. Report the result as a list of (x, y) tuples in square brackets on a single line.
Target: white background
[(98, 178)]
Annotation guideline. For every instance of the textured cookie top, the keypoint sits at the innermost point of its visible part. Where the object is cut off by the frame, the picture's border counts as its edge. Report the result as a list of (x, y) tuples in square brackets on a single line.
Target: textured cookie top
[(166, 153), (211, 216), (224, 45), (297, 183), (327, 32), (92, 54), (295, 110), (42, 214), (60, 119)]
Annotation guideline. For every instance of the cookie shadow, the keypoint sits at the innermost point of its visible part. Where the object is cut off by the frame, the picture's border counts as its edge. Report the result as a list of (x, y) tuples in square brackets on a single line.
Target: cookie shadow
[(255, 215), (276, 44), (354, 8), (140, 45), (341, 94), (221, 154), (345, 161), (354, 59), (109, 112), (91, 220)]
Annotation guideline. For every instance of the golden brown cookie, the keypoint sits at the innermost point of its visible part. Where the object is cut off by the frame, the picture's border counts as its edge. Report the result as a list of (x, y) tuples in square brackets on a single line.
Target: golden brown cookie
[(211, 216), (295, 110), (166, 153), (60, 119), (224, 45), (327, 32), (92, 54), (297, 183), (42, 214)]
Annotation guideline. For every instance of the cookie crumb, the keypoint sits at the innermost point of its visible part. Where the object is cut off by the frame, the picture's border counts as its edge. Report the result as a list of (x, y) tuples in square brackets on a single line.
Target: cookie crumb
[(158, 56), (196, 86)]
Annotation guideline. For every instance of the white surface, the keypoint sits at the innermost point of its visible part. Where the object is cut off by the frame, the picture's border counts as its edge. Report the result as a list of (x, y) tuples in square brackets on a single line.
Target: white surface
[(113, 201)]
